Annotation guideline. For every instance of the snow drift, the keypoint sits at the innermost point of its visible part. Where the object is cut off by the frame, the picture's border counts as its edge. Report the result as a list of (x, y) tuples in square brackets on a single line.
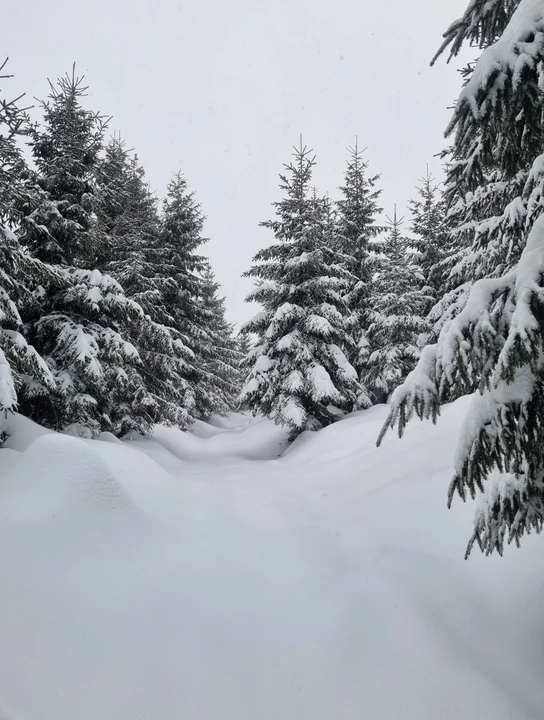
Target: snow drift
[(195, 576)]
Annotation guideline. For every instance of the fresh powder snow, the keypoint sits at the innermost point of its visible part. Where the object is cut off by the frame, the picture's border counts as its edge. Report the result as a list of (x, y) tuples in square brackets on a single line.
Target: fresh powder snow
[(215, 575)]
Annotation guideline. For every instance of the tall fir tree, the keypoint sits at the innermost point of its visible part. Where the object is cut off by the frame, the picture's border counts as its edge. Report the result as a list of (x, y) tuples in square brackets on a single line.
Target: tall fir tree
[(80, 319), (221, 357), (16, 181), (181, 238), (19, 273), (136, 257), (431, 237), (396, 314), (299, 375), (61, 230), (20, 363), (244, 345), (356, 227), (495, 342)]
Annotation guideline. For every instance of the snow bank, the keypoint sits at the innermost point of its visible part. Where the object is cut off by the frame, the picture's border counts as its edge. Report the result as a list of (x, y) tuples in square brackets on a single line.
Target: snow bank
[(22, 432), (180, 577), (62, 481), (250, 440)]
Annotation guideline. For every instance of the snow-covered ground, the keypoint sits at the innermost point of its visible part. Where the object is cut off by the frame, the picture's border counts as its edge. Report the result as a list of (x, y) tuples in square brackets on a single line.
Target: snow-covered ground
[(197, 577)]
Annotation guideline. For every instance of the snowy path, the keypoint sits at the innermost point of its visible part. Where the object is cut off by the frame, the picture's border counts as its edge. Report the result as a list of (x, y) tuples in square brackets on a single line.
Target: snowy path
[(194, 576)]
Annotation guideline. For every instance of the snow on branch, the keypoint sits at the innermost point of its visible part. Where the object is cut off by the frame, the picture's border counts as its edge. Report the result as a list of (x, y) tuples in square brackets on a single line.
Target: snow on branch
[(501, 67)]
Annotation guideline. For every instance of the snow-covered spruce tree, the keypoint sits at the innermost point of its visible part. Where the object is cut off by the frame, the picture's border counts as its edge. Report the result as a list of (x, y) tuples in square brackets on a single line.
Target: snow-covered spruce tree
[(244, 345), (19, 273), (431, 238), (484, 219), (115, 174), (79, 320), (396, 316), (137, 258), (128, 217), (356, 227), (221, 358), (19, 361), (15, 177), (496, 341), (181, 237), (299, 375), (485, 227), (61, 229)]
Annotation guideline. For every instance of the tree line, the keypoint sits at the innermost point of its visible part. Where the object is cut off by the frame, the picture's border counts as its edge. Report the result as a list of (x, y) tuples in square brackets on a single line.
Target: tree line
[(110, 315), (345, 300)]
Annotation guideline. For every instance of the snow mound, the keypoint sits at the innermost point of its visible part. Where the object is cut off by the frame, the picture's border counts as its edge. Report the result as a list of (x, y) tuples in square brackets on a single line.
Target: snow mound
[(236, 422), (109, 437), (253, 439), (230, 422), (338, 441), (22, 432), (62, 480)]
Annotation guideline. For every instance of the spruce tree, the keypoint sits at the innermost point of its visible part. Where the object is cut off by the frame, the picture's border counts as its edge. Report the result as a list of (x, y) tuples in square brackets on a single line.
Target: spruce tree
[(356, 229), (244, 345), (181, 237), (19, 273), (20, 363), (138, 259), (80, 319), (118, 180), (396, 315), (128, 216), (221, 358), (428, 225), (495, 342), (15, 177), (61, 229), (299, 375)]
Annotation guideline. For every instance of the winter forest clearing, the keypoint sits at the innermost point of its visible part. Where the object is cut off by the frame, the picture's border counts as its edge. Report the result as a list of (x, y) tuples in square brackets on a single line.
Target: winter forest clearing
[(209, 516)]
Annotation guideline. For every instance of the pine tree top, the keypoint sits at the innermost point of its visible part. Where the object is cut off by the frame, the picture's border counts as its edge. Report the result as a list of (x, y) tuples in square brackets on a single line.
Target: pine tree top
[(73, 135), (182, 218), (358, 206)]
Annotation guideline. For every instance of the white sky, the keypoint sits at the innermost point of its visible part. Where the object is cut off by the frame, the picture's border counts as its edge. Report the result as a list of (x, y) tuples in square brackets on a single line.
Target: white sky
[(221, 91)]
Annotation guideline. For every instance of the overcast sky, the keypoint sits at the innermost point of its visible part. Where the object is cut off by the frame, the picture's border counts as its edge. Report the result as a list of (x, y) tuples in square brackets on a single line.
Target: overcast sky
[(222, 90)]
